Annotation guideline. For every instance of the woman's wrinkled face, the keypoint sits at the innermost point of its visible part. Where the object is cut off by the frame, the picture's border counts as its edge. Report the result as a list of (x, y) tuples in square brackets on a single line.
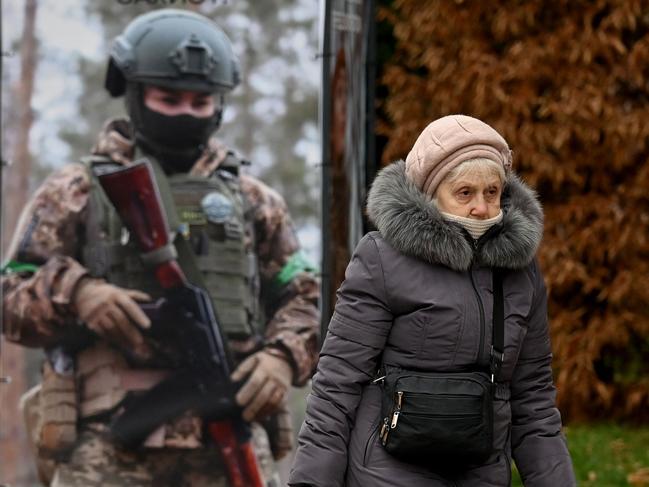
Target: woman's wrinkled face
[(475, 194)]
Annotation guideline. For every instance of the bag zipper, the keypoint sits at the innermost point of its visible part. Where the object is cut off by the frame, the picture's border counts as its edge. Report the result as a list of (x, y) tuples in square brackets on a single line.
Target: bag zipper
[(385, 429), (449, 375), (446, 416), (458, 396), (390, 425), (397, 411)]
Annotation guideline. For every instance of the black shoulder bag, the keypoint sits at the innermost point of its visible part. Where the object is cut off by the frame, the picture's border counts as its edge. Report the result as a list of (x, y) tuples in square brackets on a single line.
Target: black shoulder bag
[(443, 419)]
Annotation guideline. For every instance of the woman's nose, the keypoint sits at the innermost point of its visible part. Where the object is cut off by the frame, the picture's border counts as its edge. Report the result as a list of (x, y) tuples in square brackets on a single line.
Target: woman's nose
[(479, 209)]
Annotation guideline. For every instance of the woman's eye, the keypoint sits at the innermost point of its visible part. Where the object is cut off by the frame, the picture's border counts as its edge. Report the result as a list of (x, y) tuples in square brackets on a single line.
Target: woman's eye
[(169, 100)]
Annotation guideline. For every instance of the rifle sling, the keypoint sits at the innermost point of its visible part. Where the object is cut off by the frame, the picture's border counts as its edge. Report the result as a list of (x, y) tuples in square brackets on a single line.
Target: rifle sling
[(186, 258), (187, 261)]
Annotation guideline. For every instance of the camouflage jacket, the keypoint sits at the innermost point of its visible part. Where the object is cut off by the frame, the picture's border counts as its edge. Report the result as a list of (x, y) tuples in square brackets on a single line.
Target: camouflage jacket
[(37, 294)]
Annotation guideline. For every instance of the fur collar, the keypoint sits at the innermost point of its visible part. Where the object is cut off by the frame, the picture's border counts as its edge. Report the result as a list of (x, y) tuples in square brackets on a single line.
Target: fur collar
[(414, 226)]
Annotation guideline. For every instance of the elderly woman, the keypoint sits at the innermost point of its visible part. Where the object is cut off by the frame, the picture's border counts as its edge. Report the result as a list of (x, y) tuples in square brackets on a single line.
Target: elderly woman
[(419, 297)]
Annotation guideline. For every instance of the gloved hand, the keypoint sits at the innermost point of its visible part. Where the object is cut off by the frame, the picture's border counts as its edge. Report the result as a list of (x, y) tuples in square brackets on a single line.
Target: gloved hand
[(269, 378), (112, 313)]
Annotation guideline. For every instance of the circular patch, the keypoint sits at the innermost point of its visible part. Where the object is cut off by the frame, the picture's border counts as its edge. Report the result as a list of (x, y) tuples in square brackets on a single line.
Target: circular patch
[(217, 208)]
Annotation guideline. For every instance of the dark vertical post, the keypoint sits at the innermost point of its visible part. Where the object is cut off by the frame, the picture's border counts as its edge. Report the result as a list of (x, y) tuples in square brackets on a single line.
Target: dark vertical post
[(371, 162), (325, 122)]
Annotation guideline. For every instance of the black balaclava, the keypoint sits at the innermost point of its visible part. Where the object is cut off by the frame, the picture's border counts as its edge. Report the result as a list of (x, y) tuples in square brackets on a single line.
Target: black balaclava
[(175, 141)]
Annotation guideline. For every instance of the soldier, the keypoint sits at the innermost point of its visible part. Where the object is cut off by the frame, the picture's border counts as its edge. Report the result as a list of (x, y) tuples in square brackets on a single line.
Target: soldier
[(72, 267)]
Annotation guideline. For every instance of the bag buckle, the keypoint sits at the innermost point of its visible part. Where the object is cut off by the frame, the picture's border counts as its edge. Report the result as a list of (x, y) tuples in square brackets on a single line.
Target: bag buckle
[(379, 376), (496, 362)]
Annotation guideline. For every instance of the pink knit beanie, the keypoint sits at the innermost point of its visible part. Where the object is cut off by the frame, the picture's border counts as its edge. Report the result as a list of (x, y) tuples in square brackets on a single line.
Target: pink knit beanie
[(446, 143)]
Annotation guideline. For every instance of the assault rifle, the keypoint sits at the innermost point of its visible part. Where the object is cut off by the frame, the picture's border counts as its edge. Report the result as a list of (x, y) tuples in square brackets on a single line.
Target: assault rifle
[(185, 316)]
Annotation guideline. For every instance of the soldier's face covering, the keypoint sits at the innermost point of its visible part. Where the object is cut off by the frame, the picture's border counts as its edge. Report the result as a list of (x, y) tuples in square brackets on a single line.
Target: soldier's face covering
[(178, 119), (173, 125), (179, 132)]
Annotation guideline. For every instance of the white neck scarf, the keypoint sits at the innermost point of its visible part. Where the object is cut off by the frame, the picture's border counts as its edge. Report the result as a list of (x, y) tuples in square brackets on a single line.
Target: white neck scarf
[(476, 228)]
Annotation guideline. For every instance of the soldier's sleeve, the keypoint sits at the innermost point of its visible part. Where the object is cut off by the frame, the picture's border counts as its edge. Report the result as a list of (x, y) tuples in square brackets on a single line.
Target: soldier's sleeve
[(42, 270), (289, 287)]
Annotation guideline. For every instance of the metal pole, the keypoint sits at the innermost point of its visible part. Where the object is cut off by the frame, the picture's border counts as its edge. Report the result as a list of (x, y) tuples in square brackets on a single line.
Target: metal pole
[(325, 138), (371, 162)]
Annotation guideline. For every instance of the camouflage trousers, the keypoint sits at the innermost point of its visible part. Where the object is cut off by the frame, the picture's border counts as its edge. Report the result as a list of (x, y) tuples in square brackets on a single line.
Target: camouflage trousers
[(97, 462)]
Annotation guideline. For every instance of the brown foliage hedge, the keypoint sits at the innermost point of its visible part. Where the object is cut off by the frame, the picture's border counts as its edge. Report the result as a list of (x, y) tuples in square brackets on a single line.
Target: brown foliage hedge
[(567, 84)]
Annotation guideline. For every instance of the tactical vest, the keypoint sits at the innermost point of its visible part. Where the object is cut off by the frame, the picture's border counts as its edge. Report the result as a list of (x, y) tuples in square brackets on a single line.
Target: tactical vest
[(212, 215)]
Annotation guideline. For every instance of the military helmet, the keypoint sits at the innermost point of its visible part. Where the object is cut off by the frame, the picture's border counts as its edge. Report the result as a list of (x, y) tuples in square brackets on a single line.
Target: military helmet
[(174, 49)]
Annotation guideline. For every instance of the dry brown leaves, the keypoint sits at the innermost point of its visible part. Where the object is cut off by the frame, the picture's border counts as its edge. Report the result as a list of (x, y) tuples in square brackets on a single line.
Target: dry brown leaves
[(567, 83)]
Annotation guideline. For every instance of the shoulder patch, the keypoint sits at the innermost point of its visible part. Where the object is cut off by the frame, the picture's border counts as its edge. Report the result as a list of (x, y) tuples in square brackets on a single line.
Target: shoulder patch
[(217, 207)]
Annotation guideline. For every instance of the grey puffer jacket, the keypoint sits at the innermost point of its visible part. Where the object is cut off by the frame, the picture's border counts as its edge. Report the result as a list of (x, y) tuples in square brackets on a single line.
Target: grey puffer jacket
[(415, 294)]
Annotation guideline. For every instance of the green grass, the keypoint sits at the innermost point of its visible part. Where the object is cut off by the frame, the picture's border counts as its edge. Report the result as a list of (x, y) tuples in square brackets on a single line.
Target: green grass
[(607, 455)]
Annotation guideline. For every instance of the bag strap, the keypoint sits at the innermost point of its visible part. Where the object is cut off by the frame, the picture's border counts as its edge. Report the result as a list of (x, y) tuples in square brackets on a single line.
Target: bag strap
[(497, 354)]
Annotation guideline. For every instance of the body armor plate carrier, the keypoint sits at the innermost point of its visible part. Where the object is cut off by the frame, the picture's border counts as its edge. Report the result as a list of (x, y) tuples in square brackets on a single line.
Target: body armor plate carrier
[(212, 215)]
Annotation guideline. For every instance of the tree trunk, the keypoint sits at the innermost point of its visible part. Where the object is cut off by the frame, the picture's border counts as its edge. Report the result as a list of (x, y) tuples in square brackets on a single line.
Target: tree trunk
[(17, 174), (15, 454)]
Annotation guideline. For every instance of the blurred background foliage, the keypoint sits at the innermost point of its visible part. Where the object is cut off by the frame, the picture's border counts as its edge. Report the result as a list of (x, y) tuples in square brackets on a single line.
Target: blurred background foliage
[(567, 84)]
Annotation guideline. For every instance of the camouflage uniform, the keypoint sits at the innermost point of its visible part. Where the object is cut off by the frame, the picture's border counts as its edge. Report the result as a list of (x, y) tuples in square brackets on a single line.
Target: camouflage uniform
[(38, 311), (96, 461)]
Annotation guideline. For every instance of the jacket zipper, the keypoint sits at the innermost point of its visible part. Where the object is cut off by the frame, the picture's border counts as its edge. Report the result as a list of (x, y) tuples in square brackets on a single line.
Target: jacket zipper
[(482, 318), (476, 246)]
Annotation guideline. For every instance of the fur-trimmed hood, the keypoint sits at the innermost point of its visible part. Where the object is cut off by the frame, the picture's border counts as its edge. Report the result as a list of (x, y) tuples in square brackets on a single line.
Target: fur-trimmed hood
[(409, 222)]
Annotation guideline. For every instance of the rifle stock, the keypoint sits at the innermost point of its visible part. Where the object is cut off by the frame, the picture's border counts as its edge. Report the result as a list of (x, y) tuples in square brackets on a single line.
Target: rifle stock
[(134, 193)]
